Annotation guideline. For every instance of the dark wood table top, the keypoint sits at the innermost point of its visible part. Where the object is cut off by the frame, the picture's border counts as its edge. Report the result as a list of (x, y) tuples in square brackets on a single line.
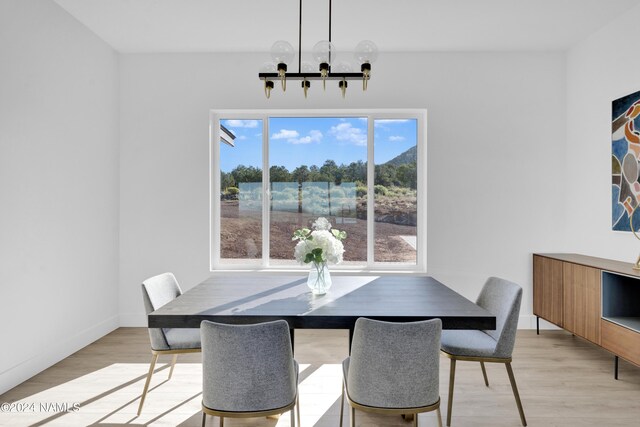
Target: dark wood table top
[(242, 299)]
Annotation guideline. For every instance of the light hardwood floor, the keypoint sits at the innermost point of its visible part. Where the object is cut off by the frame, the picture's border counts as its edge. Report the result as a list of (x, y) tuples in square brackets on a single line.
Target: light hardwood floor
[(563, 381)]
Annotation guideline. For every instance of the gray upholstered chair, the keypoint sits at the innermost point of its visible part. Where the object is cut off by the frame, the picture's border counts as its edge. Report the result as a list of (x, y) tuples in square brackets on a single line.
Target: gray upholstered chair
[(393, 368), (248, 371), (501, 298), (156, 292)]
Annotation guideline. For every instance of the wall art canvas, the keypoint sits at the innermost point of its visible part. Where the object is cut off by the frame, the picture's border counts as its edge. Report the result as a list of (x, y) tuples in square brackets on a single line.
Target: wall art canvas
[(625, 158)]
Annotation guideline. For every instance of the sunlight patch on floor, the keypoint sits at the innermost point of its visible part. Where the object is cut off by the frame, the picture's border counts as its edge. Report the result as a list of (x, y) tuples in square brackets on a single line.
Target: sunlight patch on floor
[(110, 395)]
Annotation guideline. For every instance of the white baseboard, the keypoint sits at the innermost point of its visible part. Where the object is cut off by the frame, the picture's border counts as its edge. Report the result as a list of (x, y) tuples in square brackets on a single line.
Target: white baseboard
[(133, 320), (56, 351)]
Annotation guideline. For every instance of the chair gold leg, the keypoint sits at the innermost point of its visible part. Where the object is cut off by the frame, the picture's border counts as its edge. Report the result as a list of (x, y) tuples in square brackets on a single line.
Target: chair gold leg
[(173, 364), (353, 417), (298, 409), (452, 377), (512, 379), (293, 418), (415, 420), (341, 403), (154, 358), (221, 421), (484, 374), (204, 419), (439, 417)]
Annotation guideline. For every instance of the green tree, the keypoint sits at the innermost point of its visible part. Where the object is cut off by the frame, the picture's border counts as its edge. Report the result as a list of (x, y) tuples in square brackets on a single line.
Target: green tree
[(226, 181), (244, 173), (279, 174), (329, 170), (407, 175), (356, 171), (385, 175), (301, 174)]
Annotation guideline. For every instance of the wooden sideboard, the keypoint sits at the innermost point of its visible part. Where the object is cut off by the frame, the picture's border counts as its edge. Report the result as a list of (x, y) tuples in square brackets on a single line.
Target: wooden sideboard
[(594, 298)]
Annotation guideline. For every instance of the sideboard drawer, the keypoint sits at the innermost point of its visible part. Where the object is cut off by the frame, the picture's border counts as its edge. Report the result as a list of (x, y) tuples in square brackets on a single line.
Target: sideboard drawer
[(621, 341)]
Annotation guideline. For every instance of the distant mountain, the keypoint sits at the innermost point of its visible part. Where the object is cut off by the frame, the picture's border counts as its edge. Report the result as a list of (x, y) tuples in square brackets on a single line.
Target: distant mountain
[(409, 156)]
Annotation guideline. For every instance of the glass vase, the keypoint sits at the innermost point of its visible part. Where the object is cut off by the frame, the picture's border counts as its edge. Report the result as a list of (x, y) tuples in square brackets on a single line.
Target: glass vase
[(319, 280)]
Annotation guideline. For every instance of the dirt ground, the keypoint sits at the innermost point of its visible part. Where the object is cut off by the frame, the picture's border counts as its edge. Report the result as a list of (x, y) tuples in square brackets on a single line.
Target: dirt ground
[(240, 235)]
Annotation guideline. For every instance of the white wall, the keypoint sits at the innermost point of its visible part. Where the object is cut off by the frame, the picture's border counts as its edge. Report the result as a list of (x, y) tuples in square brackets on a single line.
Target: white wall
[(600, 69), (58, 188), (496, 158)]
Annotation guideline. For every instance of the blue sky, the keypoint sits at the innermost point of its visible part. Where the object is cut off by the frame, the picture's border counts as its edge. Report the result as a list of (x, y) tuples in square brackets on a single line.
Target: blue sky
[(299, 141)]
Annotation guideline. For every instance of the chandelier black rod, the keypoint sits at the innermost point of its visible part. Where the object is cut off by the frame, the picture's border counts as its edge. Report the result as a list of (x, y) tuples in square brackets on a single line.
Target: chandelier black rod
[(329, 33), (300, 40)]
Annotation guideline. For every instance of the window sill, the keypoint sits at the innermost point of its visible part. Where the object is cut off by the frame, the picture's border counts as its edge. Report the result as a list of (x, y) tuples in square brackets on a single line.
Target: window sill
[(305, 271)]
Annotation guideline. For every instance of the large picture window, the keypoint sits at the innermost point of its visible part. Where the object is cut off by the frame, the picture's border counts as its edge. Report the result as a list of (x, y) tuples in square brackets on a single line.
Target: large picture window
[(274, 172)]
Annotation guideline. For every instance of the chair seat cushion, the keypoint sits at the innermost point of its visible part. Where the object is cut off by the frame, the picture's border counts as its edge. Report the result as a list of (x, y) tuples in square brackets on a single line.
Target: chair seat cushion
[(182, 338), (468, 343)]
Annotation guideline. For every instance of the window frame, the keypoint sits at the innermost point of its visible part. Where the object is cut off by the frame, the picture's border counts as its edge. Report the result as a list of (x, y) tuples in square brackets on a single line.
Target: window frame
[(420, 115)]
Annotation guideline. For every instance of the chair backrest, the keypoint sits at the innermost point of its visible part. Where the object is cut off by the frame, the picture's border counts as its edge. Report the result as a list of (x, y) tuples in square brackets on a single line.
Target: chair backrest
[(156, 292), (247, 368), (395, 365), (502, 298)]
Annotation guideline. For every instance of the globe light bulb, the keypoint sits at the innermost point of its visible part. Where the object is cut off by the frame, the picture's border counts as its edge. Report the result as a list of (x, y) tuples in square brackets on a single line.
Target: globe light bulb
[(343, 67), (282, 52), (324, 52), (307, 67), (366, 51), (268, 67)]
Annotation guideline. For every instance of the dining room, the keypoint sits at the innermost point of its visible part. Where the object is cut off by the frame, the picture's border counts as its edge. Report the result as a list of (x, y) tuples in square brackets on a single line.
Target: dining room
[(155, 175)]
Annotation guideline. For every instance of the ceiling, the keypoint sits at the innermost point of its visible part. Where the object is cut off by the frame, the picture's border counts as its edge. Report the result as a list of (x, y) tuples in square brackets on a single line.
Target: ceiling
[(400, 25)]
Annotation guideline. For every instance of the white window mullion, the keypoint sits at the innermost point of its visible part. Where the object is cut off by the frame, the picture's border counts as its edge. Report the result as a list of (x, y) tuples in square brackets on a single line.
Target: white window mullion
[(421, 164), (370, 193), (214, 190), (266, 193)]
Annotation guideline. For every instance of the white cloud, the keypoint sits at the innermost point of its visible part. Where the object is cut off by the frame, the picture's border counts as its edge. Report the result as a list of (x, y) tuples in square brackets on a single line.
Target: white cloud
[(395, 138), (315, 135), (382, 122), (392, 120), (241, 137), (346, 132), (242, 123), (292, 136), (285, 134)]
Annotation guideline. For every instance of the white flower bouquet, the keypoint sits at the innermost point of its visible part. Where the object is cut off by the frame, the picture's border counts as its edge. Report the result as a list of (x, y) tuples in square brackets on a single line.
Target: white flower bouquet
[(319, 246)]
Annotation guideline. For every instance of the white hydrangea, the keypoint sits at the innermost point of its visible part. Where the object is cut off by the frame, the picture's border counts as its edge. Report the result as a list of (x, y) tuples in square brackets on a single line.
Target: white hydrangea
[(321, 237), (322, 223)]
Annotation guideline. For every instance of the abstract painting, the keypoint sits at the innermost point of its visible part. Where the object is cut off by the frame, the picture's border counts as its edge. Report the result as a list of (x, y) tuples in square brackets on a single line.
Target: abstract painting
[(625, 155)]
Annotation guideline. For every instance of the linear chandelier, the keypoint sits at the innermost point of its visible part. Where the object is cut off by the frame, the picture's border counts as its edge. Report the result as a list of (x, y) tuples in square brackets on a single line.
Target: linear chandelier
[(324, 52)]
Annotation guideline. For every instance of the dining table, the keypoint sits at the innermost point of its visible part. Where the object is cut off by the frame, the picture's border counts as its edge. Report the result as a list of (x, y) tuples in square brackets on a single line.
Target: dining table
[(260, 297)]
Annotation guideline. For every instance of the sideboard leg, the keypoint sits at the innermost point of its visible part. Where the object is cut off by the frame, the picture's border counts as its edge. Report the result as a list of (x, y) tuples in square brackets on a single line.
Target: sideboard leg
[(292, 333), (537, 325), (615, 367)]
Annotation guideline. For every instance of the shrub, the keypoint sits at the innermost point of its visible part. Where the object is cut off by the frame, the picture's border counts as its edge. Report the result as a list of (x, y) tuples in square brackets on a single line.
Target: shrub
[(232, 191), (361, 191), (380, 189)]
